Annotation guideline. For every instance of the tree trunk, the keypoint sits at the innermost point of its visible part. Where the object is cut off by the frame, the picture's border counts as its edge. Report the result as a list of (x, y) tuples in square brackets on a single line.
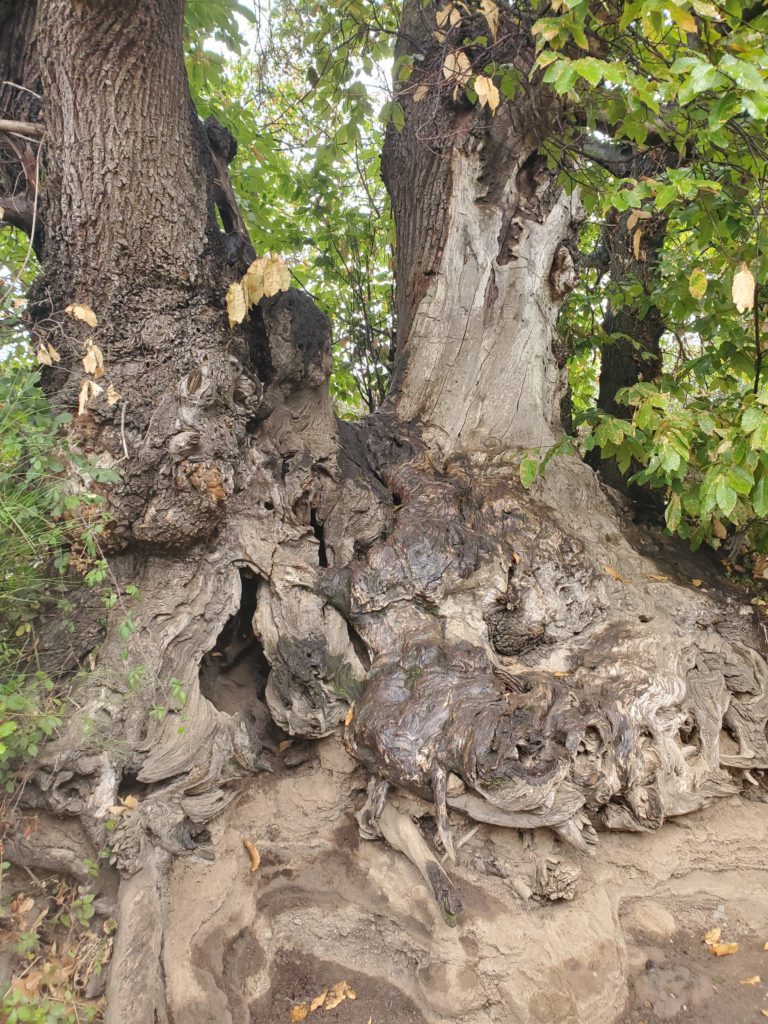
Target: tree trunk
[(524, 658)]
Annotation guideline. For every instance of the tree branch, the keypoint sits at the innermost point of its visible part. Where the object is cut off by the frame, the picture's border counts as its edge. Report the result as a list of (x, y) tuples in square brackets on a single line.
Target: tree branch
[(36, 131)]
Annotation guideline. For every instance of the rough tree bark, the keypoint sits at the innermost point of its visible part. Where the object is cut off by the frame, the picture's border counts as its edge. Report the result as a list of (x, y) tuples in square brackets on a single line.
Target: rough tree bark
[(525, 658)]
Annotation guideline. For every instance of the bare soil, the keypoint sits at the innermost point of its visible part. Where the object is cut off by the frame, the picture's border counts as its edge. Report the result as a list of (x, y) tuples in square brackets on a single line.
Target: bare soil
[(325, 906)]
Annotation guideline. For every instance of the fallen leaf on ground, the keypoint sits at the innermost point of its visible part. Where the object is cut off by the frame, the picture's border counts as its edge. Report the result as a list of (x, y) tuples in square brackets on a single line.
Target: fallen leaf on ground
[(255, 856), (698, 583), (299, 1012), (723, 948), (318, 1001), (350, 714), (713, 935), (615, 574), (338, 994), (755, 980), (284, 744), (764, 1013), (131, 802), (656, 576)]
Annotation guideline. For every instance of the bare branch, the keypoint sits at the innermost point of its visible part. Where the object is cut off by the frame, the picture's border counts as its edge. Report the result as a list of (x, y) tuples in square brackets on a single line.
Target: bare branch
[(36, 131)]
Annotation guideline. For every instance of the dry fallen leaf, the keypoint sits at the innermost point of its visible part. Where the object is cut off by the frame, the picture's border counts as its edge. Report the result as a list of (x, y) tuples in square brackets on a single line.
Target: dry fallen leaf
[(253, 853), (318, 1001), (82, 312), (723, 948), (113, 395), (698, 583), (764, 1013), (637, 239), (299, 1012), (743, 290), (713, 935), (338, 994), (131, 802), (420, 93), (443, 15), (615, 574), (754, 980), (43, 356), (350, 714), (284, 744), (657, 577)]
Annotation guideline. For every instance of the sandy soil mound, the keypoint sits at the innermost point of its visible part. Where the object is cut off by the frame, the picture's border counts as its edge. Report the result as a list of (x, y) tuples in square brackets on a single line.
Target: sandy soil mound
[(324, 907)]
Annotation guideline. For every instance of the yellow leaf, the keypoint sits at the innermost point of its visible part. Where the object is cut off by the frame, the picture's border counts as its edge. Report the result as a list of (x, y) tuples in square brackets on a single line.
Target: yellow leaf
[(656, 577), (698, 583), (277, 276), (439, 36), (455, 17), (284, 744), (338, 994), (350, 714), (44, 356), (253, 282), (718, 530), (754, 980), (88, 390), (684, 19), (743, 290), (253, 853), (637, 239), (421, 92), (491, 13), (723, 948), (318, 1001), (443, 15), (113, 395), (299, 1012), (615, 574), (635, 216), (93, 360), (697, 283), (237, 307), (131, 802), (764, 1013), (84, 313), (456, 67), (486, 92)]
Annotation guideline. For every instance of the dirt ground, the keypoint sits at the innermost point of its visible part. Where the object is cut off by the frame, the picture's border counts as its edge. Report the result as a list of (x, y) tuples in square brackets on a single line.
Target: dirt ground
[(326, 907)]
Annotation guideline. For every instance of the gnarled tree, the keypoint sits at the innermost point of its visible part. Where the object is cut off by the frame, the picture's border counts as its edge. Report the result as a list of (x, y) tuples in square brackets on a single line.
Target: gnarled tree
[(527, 658)]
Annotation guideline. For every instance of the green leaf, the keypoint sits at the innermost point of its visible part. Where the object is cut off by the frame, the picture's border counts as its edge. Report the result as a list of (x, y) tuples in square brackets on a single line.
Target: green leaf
[(726, 497), (529, 470)]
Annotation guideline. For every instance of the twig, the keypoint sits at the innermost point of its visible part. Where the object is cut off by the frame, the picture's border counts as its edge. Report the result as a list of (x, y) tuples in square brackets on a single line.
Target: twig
[(22, 128)]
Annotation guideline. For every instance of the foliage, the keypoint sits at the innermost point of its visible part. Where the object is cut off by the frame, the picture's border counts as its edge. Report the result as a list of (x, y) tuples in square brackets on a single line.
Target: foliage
[(301, 101), (41, 525), (684, 87)]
